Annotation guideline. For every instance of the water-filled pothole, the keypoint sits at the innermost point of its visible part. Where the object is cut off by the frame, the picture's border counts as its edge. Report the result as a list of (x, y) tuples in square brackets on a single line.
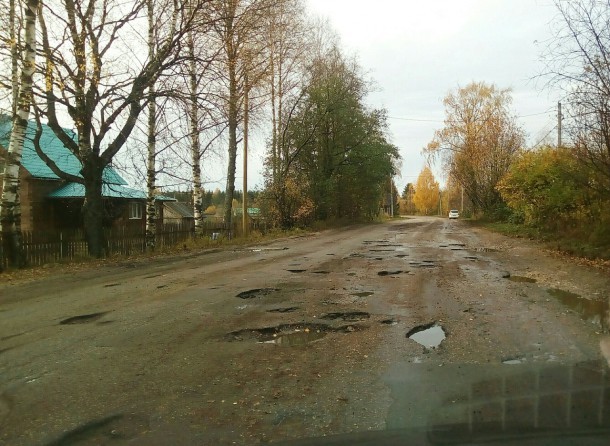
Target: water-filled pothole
[(521, 279), (83, 318), (429, 335), (363, 294), (513, 361), (389, 273), (595, 311), (283, 310), (257, 292), (289, 334), (296, 339), (349, 316)]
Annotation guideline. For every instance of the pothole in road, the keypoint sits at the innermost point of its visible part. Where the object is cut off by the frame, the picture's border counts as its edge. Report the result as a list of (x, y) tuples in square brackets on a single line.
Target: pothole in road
[(283, 310), (521, 279), (513, 361), (290, 335), (458, 245), (402, 256), (382, 250), (109, 285), (429, 335), (423, 264), (256, 293), (471, 258), (321, 272), (487, 250), (594, 311), (349, 316), (363, 294), (390, 273), (296, 271), (389, 322), (83, 318)]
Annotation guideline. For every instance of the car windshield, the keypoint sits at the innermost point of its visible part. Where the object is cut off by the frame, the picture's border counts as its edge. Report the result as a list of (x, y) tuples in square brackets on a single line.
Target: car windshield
[(304, 222)]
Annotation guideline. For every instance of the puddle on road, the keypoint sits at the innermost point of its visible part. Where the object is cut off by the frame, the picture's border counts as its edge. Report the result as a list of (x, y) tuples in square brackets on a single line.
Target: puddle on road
[(289, 335), (349, 316), (513, 361), (297, 338), (429, 335), (257, 292), (521, 279), (83, 318), (363, 294), (594, 311)]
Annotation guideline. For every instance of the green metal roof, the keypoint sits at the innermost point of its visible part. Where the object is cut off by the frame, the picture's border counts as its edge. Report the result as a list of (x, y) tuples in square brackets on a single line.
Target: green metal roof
[(76, 190), (52, 146)]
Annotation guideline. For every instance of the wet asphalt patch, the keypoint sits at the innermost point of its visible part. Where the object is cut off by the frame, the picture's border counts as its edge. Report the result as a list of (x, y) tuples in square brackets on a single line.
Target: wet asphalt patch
[(83, 318), (594, 311), (256, 293)]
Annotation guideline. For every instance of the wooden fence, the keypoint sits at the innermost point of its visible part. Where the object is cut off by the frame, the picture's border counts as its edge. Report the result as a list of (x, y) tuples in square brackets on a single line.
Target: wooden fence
[(40, 248)]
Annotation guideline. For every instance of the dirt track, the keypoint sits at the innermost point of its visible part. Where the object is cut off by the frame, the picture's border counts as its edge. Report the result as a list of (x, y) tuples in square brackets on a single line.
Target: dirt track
[(165, 352)]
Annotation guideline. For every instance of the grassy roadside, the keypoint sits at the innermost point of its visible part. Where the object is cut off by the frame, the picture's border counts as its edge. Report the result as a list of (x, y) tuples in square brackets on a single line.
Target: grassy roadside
[(568, 244)]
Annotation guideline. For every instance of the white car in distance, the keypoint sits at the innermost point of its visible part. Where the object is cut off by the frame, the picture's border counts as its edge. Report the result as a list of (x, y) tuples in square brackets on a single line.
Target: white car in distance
[(453, 213)]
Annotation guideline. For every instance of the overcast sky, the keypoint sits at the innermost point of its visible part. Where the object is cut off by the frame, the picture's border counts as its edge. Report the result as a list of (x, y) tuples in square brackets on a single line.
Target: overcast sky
[(417, 51)]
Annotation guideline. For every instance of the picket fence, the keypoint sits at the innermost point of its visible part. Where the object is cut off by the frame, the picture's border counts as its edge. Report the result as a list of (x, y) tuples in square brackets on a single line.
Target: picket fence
[(41, 248)]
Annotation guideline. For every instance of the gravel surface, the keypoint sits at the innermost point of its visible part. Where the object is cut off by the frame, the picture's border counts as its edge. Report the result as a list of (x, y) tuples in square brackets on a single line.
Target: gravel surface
[(300, 338)]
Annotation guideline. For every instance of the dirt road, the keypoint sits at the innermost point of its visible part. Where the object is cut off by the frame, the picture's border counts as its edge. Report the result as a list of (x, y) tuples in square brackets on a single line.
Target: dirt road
[(300, 338)]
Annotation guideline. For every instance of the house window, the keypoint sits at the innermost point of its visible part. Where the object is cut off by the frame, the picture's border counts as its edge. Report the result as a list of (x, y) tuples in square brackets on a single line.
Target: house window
[(135, 210)]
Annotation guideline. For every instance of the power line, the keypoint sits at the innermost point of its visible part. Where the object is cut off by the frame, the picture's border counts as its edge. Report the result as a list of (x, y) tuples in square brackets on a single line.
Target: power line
[(399, 118)]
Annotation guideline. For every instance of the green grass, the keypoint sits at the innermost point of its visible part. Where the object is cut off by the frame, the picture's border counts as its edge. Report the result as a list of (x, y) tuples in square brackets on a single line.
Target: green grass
[(573, 243)]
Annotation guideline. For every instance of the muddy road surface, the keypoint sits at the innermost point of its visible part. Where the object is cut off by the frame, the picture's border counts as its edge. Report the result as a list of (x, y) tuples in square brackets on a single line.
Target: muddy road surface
[(368, 328)]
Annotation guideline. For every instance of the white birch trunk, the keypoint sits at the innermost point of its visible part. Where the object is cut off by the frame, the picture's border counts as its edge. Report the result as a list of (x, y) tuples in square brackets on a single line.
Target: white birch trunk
[(195, 143), (151, 211), (10, 207)]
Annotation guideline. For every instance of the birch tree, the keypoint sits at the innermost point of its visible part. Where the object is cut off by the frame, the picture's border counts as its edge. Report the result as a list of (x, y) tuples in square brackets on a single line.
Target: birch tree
[(103, 92), (479, 141), (10, 209), (151, 213)]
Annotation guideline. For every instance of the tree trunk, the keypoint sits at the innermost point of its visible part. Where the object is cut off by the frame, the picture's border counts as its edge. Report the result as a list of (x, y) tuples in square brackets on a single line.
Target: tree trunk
[(93, 208), (232, 122), (10, 209), (151, 212), (195, 143)]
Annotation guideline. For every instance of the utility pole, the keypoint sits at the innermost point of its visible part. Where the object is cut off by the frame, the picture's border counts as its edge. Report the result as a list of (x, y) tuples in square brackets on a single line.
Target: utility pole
[(559, 119), (245, 194), (391, 197)]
